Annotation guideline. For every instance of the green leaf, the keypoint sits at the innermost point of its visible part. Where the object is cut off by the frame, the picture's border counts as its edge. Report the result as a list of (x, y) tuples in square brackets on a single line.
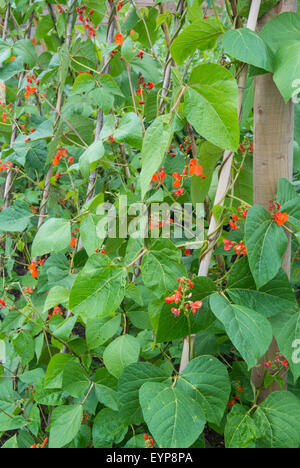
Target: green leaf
[(101, 329), (278, 419), (98, 289), (44, 130), (108, 429), (75, 379), (5, 51), (271, 299), (155, 144), (130, 382), (53, 236), (250, 332), (15, 218), (174, 419), (205, 379), (284, 27), (105, 389), (286, 329), (240, 429), (65, 425), (8, 70), (57, 295), (287, 68), (266, 243), (121, 352), (24, 346), (211, 105), (55, 369), (202, 35), (247, 46), (91, 155), (290, 201), (161, 267), (129, 130)]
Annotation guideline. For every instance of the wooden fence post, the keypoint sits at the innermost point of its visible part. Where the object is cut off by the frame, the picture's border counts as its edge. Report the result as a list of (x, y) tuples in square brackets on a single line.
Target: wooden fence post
[(273, 158)]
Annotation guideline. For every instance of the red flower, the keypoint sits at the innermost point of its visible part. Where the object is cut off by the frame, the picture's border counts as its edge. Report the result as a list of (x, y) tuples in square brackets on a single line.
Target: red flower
[(233, 225), (196, 306), (280, 218), (179, 192), (73, 242), (195, 168), (240, 249), (227, 244), (119, 39)]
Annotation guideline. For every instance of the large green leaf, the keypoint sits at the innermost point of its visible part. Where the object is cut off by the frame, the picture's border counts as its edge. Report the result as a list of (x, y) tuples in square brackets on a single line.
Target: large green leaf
[(250, 332), (271, 299), (155, 144), (65, 424), (284, 27), (266, 243), (91, 156), (108, 429), (8, 70), (247, 46), (211, 105), (278, 419), (202, 35), (240, 429), (15, 218), (287, 68), (130, 382), (205, 379), (286, 329), (75, 379), (129, 130), (106, 389), (161, 266), (98, 289), (121, 352), (174, 419), (53, 236), (101, 329), (55, 369)]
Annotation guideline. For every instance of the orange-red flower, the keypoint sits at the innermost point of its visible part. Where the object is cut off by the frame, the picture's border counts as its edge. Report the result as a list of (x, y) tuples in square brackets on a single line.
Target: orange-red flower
[(119, 38), (281, 218), (195, 168)]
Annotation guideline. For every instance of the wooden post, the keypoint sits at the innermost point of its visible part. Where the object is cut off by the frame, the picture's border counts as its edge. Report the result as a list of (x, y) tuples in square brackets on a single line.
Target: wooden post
[(273, 158)]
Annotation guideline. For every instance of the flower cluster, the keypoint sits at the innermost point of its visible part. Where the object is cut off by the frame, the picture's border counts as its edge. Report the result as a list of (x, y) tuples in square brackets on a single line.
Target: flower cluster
[(2, 304), (56, 311), (246, 145), (159, 176), (239, 248), (62, 153), (142, 85), (85, 18), (149, 442), (4, 166), (42, 445), (33, 268), (31, 90), (181, 298)]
